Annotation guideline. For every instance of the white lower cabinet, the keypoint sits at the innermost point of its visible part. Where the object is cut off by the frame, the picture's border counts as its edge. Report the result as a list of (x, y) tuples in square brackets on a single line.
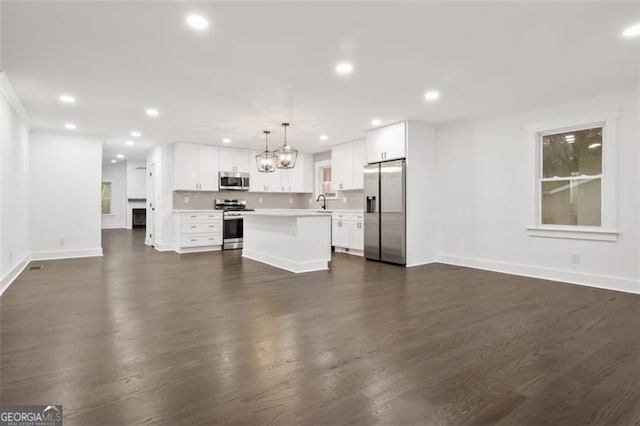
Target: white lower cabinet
[(347, 232), (198, 231)]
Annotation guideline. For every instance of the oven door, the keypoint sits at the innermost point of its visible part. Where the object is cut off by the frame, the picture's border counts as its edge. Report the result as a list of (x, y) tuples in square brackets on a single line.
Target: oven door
[(232, 232)]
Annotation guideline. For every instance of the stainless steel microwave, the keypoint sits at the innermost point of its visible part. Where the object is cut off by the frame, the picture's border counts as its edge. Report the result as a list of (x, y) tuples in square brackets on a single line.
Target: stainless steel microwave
[(234, 181)]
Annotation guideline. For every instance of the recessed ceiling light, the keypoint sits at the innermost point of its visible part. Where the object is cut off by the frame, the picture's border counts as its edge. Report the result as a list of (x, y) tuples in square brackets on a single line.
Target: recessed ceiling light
[(226, 140), (432, 95), (376, 122), (113, 161), (197, 22), (120, 155), (136, 134), (324, 137), (344, 68), (67, 99), (594, 145), (152, 112), (632, 31), (70, 126), (129, 143)]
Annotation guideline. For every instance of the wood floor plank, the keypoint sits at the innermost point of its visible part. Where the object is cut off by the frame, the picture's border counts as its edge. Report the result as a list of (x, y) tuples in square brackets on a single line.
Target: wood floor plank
[(143, 337)]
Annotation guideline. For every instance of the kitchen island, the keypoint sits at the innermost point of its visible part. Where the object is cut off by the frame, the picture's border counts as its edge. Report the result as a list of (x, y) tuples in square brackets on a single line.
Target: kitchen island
[(293, 240)]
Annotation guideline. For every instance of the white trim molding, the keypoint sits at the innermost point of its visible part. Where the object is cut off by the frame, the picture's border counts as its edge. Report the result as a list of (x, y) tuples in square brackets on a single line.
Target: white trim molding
[(14, 273), (607, 282), (573, 233), (66, 254), (287, 265)]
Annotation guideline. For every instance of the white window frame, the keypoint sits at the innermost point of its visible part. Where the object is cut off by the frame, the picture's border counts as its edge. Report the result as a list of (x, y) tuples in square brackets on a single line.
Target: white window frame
[(607, 231), (319, 165)]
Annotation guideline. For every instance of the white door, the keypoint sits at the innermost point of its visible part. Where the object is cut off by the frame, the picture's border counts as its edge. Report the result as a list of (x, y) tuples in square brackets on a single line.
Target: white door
[(208, 168), (151, 206)]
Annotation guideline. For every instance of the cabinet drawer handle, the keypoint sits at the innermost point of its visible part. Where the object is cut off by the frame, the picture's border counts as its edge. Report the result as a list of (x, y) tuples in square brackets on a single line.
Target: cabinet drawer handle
[(193, 226), (194, 240)]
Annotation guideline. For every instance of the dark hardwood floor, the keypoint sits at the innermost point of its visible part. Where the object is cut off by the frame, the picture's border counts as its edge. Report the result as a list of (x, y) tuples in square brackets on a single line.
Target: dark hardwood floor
[(141, 337)]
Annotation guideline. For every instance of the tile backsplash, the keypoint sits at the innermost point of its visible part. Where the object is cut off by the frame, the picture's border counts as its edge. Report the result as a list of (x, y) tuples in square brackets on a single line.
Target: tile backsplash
[(183, 200)]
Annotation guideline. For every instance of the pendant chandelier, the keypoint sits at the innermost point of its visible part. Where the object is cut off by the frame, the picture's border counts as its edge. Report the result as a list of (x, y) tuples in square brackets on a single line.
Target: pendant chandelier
[(285, 155), (266, 160)]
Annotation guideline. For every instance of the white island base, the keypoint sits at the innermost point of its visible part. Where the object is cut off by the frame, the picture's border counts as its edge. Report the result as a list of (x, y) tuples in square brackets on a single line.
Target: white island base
[(296, 241)]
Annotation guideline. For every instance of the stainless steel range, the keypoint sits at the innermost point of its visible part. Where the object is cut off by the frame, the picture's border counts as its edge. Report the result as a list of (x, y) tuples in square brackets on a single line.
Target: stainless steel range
[(233, 220)]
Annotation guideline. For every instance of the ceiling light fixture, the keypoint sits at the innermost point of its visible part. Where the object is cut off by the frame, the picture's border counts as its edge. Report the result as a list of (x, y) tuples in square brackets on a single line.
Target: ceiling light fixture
[(70, 126), (286, 155), (324, 137), (632, 31), (120, 156), (432, 95), (594, 145), (136, 134), (197, 22), (226, 140), (67, 99), (266, 160), (376, 122), (344, 68), (152, 112), (129, 143), (113, 161)]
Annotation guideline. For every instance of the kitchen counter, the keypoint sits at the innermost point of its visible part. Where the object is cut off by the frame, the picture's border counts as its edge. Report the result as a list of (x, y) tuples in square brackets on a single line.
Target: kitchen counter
[(284, 212), (293, 240)]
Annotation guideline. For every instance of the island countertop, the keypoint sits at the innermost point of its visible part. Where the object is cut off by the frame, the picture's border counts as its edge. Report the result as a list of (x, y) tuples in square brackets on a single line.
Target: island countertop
[(287, 213)]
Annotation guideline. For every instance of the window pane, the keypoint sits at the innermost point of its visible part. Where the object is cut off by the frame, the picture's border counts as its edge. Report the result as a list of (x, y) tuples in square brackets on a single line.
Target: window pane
[(106, 206), (572, 153), (574, 202)]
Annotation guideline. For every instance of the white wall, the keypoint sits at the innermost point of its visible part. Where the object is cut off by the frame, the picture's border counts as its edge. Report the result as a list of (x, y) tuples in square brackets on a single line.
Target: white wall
[(14, 188), (116, 174), (485, 195), (64, 194)]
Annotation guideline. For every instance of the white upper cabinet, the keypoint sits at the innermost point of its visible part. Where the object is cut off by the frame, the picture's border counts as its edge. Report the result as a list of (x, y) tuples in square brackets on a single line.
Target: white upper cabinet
[(347, 161), (234, 160), (208, 168), (341, 166), (386, 143), (195, 167), (359, 160)]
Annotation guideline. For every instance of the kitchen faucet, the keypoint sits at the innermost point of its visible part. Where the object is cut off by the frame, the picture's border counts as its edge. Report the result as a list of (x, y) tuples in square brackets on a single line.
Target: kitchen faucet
[(324, 201)]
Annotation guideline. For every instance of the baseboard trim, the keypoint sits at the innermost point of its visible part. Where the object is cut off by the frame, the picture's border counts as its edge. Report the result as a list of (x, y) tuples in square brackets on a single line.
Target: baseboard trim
[(287, 265), (606, 282), (66, 254), (428, 262), (187, 250), (14, 273), (161, 247)]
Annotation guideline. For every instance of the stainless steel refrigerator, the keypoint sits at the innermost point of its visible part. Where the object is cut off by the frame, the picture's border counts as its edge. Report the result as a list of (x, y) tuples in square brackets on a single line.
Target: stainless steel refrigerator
[(384, 217)]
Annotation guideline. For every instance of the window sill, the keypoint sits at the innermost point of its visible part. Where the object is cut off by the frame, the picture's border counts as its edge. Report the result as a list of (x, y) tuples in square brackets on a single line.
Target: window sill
[(573, 233)]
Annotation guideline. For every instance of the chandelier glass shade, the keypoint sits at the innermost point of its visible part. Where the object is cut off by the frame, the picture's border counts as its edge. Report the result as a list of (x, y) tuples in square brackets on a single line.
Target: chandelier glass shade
[(266, 160), (286, 156)]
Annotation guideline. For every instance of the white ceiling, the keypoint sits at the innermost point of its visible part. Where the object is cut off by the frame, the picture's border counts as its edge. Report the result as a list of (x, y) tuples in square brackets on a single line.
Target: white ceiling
[(262, 63)]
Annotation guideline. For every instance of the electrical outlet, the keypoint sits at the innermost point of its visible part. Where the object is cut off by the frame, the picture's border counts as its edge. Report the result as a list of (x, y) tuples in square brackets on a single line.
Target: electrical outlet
[(260, 200), (186, 200), (575, 258), (290, 200), (344, 200), (62, 241)]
